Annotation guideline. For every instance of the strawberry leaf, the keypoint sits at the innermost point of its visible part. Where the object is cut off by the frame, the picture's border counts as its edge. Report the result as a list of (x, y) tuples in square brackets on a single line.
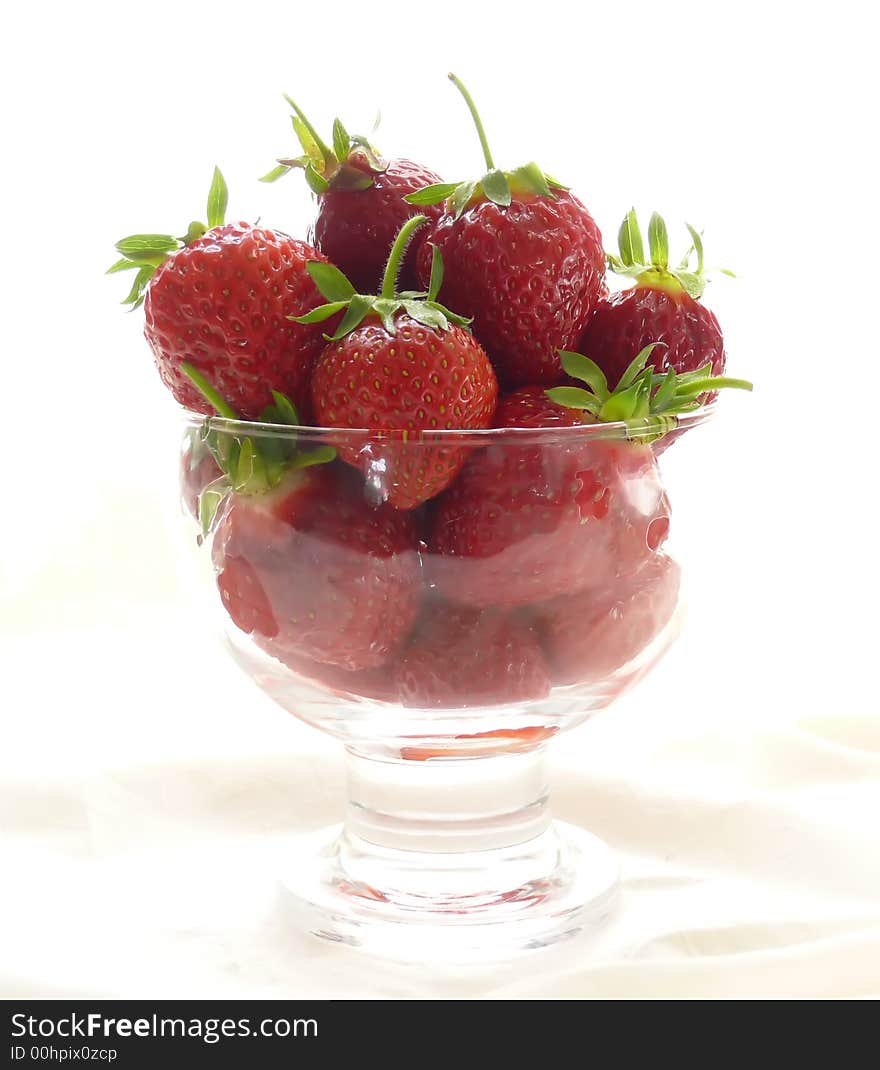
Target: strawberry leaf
[(358, 308), (691, 283), (622, 404), (316, 181), (665, 393), (286, 408), (147, 246), (629, 239), (427, 315), (436, 280), (218, 199), (440, 191), (572, 397), (588, 371), (420, 306), (697, 239), (385, 308), (208, 392), (250, 472), (330, 281), (122, 265), (554, 183), (461, 197), (135, 296), (321, 313), (496, 187), (210, 500), (658, 242), (531, 178), (341, 140), (306, 136), (637, 365), (656, 272), (319, 455), (632, 400)]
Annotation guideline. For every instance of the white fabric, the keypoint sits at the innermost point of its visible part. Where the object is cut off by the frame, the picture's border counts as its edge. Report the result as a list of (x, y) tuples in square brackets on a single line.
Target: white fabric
[(145, 817)]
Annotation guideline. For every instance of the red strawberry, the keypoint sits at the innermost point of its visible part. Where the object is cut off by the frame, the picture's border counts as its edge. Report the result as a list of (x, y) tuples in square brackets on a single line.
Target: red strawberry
[(400, 366), (376, 684), (304, 562), (477, 744), (462, 657), (360, 200), (523, 258), (314, 567), (568, 508), (220, 300), (589, 637), (662, 306), (523, 523)]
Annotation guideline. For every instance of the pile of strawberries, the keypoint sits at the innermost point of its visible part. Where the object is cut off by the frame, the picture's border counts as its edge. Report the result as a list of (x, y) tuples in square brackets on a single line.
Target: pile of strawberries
[(396, 561)]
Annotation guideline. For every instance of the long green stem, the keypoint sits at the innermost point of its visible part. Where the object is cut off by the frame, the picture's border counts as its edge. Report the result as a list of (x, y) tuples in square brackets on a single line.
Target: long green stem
[(475, 115), (395, 258), (326, 151), (712, 382)]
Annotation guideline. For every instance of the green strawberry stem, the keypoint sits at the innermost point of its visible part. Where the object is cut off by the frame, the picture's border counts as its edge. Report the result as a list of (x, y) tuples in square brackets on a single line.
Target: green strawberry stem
[(496, 186), (351, 163), (655, 271), (250, 465), (147, 252), (475, 115), (395, 258), (340, 294), (712, 382), (647, 402)]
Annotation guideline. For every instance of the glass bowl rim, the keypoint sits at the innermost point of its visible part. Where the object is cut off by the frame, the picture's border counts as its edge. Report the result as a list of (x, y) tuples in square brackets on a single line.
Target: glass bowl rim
[(620, 430)]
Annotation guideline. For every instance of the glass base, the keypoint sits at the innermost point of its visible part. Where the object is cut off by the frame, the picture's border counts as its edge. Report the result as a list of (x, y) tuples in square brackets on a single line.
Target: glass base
[(489, 915)]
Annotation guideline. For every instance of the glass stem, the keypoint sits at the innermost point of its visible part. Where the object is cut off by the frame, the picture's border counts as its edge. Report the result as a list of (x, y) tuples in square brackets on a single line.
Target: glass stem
[(445, 831)]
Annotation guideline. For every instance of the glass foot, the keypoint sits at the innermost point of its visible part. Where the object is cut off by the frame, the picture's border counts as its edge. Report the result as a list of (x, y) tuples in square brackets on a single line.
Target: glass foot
[(412, 916)]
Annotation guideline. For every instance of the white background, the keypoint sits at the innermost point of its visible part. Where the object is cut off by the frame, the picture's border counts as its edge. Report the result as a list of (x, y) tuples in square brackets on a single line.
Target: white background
[(754, 121)]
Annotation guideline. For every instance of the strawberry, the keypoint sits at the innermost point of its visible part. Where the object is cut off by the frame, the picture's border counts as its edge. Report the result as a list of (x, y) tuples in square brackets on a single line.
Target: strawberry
[(664, 304), (400, 364), (301, 557), (220, 299), (314, 567), (461, 657), (360, 200), (588, 638), (480, 744), (523, 258), (375, 683), (558, 512)]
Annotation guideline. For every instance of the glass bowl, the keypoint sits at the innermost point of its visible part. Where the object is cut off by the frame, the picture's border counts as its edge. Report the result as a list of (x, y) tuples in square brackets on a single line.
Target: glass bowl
[(446, 646)]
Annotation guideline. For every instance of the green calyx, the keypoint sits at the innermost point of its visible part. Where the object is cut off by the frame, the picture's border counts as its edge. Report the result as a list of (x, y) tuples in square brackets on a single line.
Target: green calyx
[(251, 464), (423, 307), (350, 163), (144, 253), (655, 271), (497, 186), (649, 403)]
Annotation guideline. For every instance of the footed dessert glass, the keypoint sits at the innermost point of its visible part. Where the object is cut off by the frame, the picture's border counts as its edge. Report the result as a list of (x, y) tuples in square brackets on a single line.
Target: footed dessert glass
[(445, 646)]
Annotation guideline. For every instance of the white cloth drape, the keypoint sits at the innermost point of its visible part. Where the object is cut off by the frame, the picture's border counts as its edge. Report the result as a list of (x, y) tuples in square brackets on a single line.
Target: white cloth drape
[(147, 808)]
